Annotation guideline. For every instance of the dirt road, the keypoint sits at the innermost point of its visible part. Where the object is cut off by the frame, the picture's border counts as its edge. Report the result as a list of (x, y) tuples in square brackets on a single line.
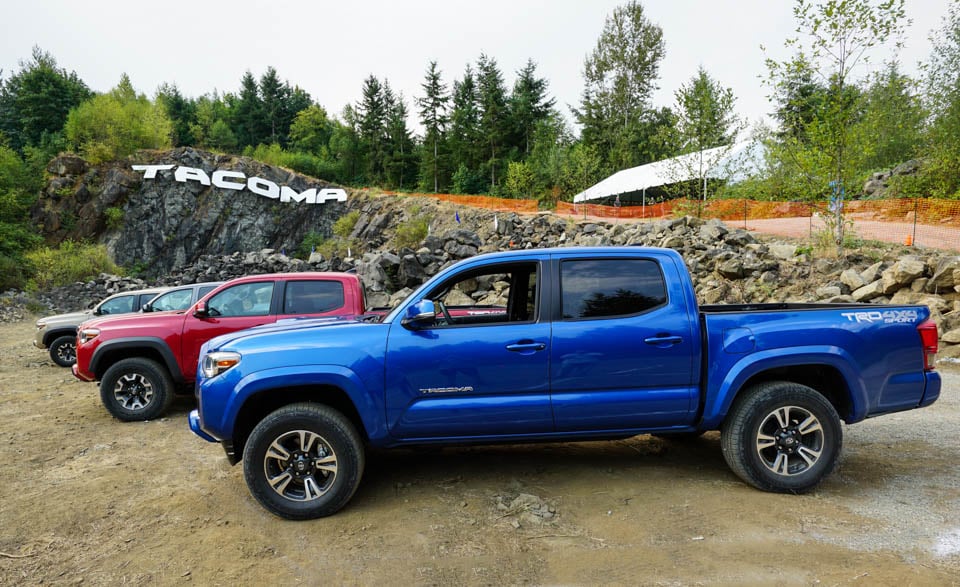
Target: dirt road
[(87, 499)]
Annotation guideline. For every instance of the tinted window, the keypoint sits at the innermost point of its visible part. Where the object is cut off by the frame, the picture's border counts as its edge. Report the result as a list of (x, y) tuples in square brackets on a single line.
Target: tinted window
[(246, 299), (312, 297), (178, 299), (205, 290), (610, 287), (120, 305)]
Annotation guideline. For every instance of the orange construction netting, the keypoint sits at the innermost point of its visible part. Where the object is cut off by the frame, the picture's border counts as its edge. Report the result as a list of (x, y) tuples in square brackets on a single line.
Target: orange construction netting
[(486, 202), (919, 221)]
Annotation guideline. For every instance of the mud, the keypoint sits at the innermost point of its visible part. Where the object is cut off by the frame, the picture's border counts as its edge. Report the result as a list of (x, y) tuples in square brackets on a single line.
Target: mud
[(87, 499)]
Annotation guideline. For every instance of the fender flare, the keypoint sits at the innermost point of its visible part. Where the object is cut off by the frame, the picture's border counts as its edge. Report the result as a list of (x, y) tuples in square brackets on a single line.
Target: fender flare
[(338, 376), (150, 342), (721, 395), (52, 335)]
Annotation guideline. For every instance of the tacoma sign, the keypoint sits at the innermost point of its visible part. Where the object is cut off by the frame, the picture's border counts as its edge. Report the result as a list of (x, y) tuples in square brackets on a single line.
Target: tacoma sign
[(235, 180)]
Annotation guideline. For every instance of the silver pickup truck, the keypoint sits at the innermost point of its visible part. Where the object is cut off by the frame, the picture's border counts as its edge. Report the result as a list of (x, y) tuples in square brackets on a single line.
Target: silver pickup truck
[(59, 333)]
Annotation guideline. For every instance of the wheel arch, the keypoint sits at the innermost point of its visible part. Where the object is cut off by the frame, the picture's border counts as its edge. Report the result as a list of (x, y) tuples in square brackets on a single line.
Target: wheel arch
[(257, 406), (52, 335), (831, 373), (110, 352)]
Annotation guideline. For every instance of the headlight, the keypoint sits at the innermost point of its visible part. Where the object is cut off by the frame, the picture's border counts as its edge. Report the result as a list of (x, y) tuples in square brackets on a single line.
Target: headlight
[(88, 334), (214, 364), (41, 324)]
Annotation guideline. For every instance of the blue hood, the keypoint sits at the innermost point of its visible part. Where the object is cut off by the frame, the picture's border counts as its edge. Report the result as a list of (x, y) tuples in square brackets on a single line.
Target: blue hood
[(285, 325)]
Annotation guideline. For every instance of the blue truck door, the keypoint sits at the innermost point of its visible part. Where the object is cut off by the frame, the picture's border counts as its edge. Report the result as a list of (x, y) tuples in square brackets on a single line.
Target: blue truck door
[(482, 368), (622, 350)]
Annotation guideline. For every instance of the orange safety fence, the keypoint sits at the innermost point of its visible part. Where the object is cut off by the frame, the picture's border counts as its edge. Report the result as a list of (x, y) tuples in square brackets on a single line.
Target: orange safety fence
[(918, 221), (486, 202)]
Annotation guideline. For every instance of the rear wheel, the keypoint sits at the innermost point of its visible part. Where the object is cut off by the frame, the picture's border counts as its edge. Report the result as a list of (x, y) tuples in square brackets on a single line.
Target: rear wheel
[(63, 351), (782, 437), (303, 461), (136, 389)]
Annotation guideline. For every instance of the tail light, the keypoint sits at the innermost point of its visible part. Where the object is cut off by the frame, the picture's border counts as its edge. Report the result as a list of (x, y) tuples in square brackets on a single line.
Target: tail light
[(928, 338)]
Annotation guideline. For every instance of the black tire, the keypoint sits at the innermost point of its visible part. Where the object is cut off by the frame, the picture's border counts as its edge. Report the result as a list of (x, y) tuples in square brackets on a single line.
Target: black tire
[(299, 489), (63, 351), (782, 437), (136, 389)]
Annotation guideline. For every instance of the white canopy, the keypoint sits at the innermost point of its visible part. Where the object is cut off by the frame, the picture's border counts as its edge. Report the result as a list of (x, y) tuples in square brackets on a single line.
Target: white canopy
[(733, 162)]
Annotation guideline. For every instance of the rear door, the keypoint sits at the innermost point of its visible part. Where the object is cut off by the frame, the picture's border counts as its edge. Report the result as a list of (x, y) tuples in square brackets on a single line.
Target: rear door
[(622, 350)]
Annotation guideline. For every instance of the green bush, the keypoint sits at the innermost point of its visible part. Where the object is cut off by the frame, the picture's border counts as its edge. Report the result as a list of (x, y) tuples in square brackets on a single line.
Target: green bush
[(411, 233), (68, 263), (113, 217), (344, 225)]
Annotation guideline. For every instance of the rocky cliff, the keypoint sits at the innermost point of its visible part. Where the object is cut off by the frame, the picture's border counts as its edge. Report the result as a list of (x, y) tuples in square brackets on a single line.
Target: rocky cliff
[(160, 224)]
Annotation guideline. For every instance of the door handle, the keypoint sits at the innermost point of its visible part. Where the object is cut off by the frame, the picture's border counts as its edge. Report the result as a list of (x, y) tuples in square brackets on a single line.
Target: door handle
[(519, 347), (663, 340)]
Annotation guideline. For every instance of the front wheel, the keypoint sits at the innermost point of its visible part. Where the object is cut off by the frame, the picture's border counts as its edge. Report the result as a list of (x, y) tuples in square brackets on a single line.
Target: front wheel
[(303, 461), (782, 437), (63, 351), (136, 389)]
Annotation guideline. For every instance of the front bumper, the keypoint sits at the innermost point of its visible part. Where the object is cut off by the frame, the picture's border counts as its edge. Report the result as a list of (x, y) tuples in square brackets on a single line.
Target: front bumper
[(76, 373), (194, 420), (38, 340)]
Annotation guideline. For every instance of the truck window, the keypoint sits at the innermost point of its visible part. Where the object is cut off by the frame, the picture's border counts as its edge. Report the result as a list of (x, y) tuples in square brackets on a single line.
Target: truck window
[(178, 299), (494, 295), (604, 288), (205, 290), (245, 299), (119, 305), (312, 297)]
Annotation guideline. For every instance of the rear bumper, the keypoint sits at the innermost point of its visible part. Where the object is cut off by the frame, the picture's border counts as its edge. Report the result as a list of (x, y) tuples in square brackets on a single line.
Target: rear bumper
[(932, 390)]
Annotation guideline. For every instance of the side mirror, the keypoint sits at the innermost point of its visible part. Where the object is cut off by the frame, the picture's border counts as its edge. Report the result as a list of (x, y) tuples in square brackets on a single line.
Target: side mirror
[(419, 315), (200, 310), (147, 307)]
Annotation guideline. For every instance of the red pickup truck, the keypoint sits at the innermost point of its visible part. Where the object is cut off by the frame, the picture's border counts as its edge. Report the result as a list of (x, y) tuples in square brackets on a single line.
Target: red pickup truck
[(141, 359)]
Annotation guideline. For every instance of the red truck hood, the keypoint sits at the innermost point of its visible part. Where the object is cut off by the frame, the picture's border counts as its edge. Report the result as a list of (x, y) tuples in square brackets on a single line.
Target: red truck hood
[(123, 320)]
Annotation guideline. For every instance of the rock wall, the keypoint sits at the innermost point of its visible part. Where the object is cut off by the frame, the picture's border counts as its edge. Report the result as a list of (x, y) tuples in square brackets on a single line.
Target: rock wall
[(167, 225)]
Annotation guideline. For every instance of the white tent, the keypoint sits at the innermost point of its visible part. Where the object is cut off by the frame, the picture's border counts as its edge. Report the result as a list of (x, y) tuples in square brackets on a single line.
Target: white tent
[(733, 162)]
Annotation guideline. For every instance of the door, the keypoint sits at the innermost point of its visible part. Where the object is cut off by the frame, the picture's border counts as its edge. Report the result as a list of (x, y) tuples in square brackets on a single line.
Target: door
[(622, 348), (481, 369), (241, 306)]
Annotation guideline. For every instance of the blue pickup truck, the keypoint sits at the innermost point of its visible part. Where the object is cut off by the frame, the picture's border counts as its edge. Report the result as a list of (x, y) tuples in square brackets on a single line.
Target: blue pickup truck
[(557, 344)]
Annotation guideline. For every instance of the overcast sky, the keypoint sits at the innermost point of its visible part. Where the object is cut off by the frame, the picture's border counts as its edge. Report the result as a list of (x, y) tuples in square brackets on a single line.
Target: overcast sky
[(328, 48)]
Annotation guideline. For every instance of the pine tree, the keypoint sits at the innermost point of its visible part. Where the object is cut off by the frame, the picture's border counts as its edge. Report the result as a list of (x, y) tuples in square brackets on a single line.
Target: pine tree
[(248, 114), (528, 106), (372, 122), (492, 98), (464, 135), (433, 116), (35, 101), (182, 112)]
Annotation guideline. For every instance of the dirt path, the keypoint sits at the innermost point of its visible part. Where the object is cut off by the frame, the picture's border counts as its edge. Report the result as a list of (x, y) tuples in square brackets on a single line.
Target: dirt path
[(84, 498)]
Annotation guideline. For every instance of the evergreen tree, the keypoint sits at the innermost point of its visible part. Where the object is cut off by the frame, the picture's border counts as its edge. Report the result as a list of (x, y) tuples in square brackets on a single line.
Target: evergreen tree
[(35, 101), (528, 106), (345, 148), (464, 135), (890, 129), (433, 116), (248, 114), (372, 123), (182, 113), (492, 99), (273, 95), (401, 159)]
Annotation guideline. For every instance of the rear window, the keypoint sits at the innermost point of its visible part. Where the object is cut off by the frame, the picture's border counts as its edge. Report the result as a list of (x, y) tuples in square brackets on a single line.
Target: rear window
[(312, 297), (604, 288)]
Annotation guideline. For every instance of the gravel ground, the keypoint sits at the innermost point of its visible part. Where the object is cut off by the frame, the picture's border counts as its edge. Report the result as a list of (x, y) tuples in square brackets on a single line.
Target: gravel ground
[(87, 499)]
